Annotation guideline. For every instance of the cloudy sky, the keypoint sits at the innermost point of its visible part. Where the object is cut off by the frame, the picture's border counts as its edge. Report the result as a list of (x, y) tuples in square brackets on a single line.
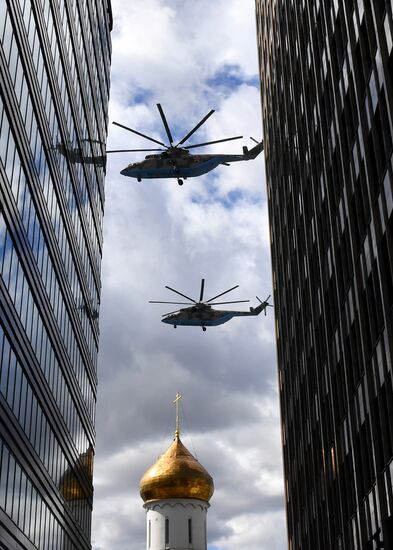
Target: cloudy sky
[(191, 56)]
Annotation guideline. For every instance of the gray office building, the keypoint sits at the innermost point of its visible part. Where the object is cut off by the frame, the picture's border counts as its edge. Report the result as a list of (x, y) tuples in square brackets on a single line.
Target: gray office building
[(54, 88), (327, 100)]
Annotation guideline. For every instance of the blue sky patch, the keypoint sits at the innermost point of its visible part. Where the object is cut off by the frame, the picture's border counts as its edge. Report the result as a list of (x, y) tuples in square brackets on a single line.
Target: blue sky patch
[(231, 199), (228, 201), (230, 77), (141, 96)]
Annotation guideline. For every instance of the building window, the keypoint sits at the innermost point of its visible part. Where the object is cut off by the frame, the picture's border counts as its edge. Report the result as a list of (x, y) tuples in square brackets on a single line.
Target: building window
[(149, 535), (166, 531), (189, 531)]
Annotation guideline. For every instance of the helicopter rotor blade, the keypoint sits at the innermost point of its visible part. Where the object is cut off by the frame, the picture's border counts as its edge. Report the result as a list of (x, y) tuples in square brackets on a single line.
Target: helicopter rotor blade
[(164, 121), (131, 150), (233, 302), (209, 114), (259, 300), (211, 142), (93, 141), (177, 292), (179, 303), (202, 290), (140, 134), (222, 293)]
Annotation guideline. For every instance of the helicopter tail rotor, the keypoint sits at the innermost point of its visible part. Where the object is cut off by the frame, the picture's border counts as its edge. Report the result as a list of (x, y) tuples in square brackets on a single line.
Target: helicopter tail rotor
[(262, 302), (265, 302)]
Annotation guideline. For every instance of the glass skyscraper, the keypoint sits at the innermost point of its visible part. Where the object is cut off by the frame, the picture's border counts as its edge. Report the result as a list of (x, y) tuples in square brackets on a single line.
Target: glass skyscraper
[(327, 100), (54, 88)]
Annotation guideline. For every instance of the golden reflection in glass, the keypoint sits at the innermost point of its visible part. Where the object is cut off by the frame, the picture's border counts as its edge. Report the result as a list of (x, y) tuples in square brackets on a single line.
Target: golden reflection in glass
[(333, 457), (176, 474), (70, 486)]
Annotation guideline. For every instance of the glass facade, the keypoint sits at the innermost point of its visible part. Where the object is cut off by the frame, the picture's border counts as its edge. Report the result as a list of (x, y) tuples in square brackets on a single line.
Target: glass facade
[(327, 100), (54, 90)]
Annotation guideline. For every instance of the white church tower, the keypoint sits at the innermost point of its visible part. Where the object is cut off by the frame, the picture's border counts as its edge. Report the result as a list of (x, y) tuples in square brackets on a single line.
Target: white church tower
[(176, 491)]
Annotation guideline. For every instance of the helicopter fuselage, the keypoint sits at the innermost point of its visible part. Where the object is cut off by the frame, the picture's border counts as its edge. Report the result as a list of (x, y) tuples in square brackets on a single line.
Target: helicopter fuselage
[(206, 316), (179, 163), (75, 156)]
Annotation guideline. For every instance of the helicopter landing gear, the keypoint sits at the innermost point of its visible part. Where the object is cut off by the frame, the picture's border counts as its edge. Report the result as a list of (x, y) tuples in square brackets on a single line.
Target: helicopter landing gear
[(180, 181), (204, 329)]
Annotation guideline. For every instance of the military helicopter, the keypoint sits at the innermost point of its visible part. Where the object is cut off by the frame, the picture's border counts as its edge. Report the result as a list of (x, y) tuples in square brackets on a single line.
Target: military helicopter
[(177, 162), (201, 314), (75, 155)]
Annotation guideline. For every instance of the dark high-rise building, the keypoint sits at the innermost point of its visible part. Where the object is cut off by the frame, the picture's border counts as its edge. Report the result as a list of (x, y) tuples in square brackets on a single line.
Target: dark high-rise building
[(327, 101), (54, 86)]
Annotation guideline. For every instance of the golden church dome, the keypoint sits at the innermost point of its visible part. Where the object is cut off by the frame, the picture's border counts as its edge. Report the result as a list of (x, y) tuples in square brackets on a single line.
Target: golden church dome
[(70, 486), (176, 474)]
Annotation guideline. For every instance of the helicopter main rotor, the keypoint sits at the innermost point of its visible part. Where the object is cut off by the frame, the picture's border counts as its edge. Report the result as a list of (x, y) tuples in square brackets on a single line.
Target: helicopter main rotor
[(201, 304), (171, 147)]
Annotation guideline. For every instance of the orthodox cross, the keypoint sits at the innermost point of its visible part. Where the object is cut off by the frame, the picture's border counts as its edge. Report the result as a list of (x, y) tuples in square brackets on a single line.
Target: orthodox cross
[(176, 402)]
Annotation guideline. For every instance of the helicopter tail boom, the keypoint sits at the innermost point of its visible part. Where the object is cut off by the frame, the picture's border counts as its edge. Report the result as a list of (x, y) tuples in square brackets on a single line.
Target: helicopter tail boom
[(262, 307), (250, 154)]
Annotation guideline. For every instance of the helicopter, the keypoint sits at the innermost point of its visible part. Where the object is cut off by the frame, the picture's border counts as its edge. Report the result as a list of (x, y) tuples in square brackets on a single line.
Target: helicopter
[(201, 313), (177, 162), (76, 156)]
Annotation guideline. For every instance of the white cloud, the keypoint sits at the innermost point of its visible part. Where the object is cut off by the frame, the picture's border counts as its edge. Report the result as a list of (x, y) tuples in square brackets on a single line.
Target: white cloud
[(179, 53), (254, 530)]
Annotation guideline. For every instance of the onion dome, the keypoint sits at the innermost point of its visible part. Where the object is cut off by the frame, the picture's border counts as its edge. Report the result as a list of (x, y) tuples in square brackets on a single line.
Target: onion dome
[(176, 474), (70, 485)]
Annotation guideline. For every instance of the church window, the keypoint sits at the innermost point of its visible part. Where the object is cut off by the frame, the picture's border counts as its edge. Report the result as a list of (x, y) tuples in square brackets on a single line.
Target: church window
[(189, 530), (166, 531)]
